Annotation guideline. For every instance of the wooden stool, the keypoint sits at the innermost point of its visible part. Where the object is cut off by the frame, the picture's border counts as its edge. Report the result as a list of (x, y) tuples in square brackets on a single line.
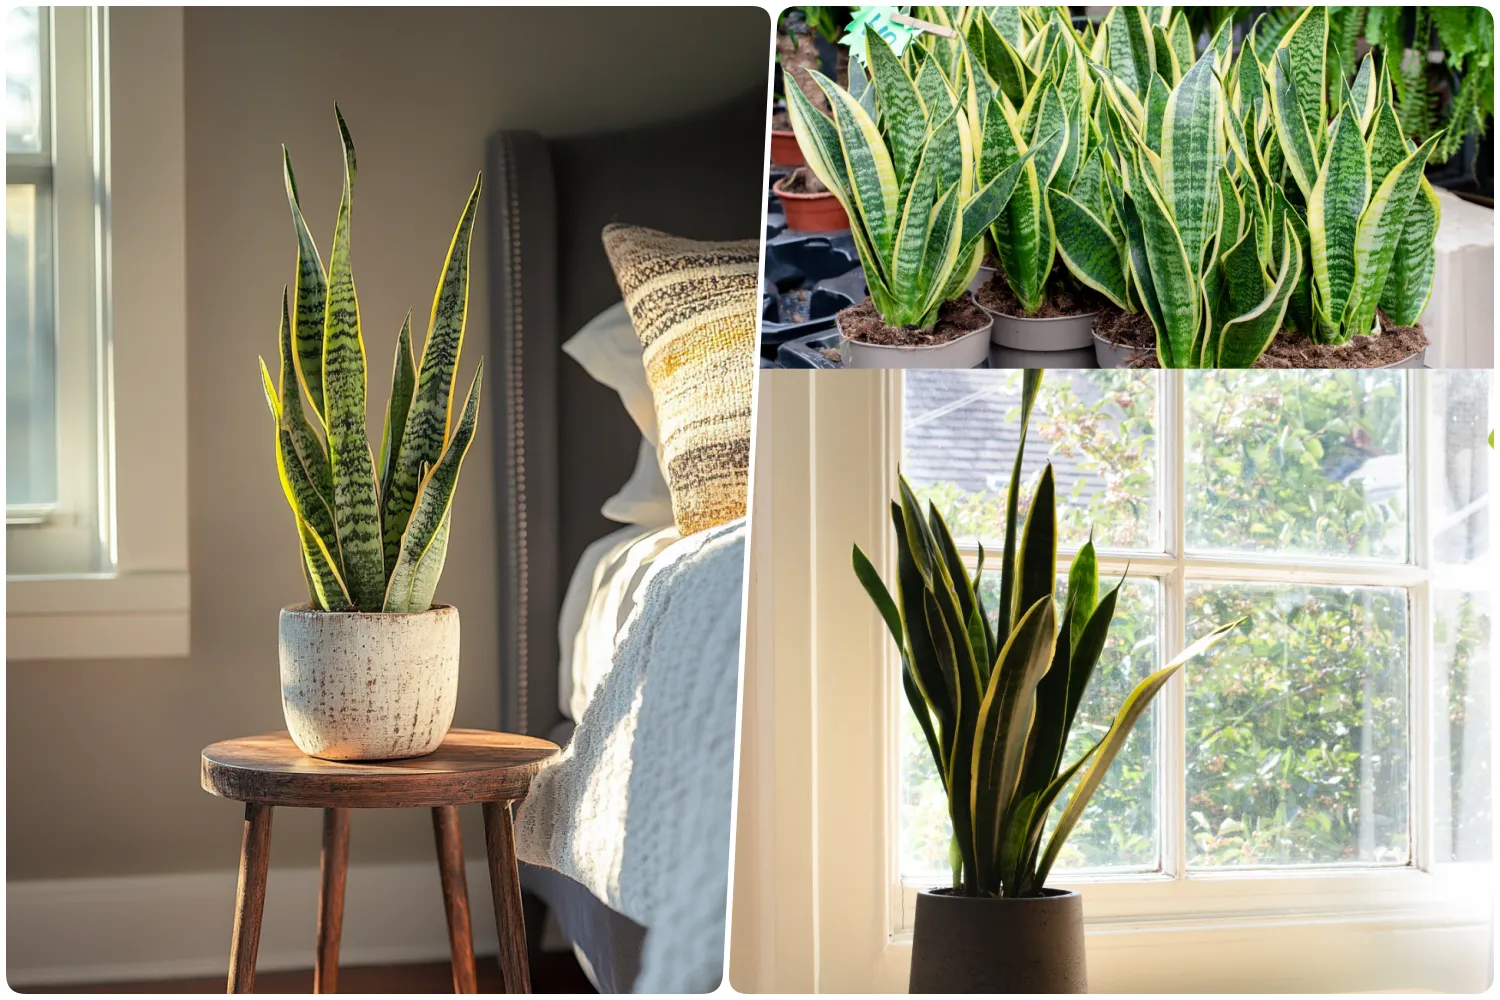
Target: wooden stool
[(494, 769)]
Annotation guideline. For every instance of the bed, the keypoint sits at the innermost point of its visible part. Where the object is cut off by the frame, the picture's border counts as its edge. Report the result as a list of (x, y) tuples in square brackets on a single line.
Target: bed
[(563, 444)]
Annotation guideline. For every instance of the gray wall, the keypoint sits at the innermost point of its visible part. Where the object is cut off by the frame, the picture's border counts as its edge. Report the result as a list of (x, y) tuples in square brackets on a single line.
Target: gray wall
[(103, 756)]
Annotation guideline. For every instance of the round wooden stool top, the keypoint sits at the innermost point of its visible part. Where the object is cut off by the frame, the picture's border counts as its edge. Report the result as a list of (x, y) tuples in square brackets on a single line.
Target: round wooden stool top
[(471, 765)]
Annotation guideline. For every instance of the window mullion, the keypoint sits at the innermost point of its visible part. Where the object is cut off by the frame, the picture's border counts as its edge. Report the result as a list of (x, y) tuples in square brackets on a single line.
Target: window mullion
[(1423, 452), (1172, 718)]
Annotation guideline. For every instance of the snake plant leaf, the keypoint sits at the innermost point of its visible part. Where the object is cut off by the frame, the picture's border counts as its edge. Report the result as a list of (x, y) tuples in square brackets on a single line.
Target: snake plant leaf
[(1246, 336), (1190, 156), (937, 94), (356, 504), (1084, 653), (1019, 232), (1026, 883), (1037, 558), (424, 544), (1140, 271), (924, 717), (900, 106), (1386, 143), (1000, 732), (1380, 230), (963, 587), (1306, 43), (987, 204), (1087, 248), (1294, 137), (1131, 52), (403, 385), (1083, 588), (429, 417), (871, 172), (912, 245), (1049, 136), (320, 563), (1167, 65), (864, 570), (1244, 281), (1333, 213), (1222, 43), (1135, 706), (308, 449), (1180, 37), (920, 649), (1156, 111), (1231, 213), (1175, 279), (991, 648), (1409, 283), (1363, 93), (940, 258), (312, 296), (949, 655), (1007, 21), (1031, 381), (1299, 306)]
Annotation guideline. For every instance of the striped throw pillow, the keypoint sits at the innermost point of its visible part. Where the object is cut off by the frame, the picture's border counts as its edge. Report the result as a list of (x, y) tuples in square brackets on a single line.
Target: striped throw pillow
[(693, 305)]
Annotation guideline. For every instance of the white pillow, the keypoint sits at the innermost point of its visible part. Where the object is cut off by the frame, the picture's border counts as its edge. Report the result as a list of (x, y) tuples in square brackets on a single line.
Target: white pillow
[(610, 352), (644, 499)]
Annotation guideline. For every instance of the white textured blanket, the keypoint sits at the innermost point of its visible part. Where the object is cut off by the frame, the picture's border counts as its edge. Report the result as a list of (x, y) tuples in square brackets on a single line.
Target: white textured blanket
[(637, 807)]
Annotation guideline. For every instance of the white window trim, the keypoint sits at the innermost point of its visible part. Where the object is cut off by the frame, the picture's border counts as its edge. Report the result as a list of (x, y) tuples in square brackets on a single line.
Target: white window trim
[(141, 608), (823, 910)]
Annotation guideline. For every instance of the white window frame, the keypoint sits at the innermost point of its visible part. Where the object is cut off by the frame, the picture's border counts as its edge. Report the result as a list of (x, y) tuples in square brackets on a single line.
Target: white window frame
[(136, 602), (824, 908)]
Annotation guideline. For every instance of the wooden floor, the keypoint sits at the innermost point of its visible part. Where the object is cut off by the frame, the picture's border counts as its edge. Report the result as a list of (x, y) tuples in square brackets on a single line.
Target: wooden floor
[(552, 972)]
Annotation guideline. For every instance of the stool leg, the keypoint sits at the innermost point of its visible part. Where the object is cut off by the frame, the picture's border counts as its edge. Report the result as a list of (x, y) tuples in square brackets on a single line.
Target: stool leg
[(505, 886), (250, 898), (335, 865), (450, 851)]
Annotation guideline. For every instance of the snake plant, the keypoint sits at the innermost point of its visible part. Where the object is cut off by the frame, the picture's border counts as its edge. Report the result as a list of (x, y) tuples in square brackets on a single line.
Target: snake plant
[(997, 699), (900, 158), (1370, 215), (372, 538)]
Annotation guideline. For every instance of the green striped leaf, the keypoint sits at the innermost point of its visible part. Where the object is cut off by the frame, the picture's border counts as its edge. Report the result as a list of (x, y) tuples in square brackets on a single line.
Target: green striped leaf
[(1245, 337), (1364, 94), (1031, 381), (1131, 52), (937, 93), (1409, 283), (1380, 230), (430, 415), (1036, 560), (1306, 43), (871, 173), (1180, 36), (1019, 232), (1001, 730), (356, 504), (312, 296), (1156, 112), (1175, 280), (424, 545), (1086, 247), (1244, 281), (1386, 143), (916, 219), (1135, 706), (1333, 212), (1292, 133), (309, 449), (1027, 884), (1167, 66), (403, 385), (1191, 143), (900, 106)]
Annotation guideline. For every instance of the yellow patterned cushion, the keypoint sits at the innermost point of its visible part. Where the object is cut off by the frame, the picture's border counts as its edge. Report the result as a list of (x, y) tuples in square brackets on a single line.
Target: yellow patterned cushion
[(693, 306)]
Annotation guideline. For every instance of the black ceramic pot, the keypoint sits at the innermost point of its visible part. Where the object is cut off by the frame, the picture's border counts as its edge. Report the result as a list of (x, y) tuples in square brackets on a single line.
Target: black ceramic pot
[(965, 945)]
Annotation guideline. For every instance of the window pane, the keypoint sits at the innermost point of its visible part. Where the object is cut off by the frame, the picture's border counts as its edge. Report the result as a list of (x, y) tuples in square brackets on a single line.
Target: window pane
[(1461, 758), (1297, 726), (1118, 830), (25, 81), (1460, 495), (959, 436), (30, 376), (1292, 464)]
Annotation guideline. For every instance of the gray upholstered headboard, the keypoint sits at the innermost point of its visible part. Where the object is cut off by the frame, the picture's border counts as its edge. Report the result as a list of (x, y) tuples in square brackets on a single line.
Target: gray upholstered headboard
[(563, 442)]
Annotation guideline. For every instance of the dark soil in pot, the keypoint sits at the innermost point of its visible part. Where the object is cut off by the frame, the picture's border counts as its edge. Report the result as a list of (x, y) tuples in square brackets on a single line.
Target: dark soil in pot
[(955, 319), (996, 296), (1287, 350)]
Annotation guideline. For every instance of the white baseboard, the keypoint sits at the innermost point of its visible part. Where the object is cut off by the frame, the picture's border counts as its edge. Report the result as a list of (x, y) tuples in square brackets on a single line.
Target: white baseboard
[(166, 926)]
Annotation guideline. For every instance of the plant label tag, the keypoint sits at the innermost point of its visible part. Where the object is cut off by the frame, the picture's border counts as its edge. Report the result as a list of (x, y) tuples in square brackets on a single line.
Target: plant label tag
[(882, 21)]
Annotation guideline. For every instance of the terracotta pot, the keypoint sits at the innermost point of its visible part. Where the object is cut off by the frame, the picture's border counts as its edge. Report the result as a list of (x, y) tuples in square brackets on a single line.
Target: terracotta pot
[(785, 151), (368, 686), (969, 351), (965, 945), (811, 213)]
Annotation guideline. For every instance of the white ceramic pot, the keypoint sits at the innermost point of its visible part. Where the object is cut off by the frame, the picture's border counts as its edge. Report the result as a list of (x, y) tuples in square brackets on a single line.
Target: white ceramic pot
[(969, 351), (1052, 333), (368, 686)]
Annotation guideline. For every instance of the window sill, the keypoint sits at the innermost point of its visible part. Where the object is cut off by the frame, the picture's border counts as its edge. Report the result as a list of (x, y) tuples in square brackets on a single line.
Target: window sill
[(125, 616)]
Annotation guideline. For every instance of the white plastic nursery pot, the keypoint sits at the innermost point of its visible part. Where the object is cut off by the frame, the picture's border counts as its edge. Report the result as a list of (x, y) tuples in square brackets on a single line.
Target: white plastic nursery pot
[(1008, 357), (962, 944), (1051, 333), (981, 279), (969, 351), (1111, 355), (368, 686), (1417, 360)]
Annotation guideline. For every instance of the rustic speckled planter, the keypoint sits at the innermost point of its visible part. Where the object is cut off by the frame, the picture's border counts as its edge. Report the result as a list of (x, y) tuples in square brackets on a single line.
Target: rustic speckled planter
[(966, 945), (368, 686)]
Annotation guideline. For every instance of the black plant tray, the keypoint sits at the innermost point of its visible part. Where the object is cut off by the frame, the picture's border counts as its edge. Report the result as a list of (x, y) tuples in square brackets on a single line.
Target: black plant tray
[(808, 280), (803, 351)]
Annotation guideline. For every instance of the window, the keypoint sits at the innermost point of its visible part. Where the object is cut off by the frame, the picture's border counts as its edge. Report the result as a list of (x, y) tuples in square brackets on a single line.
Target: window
[(96, 335), (57, 476), (1345, 512)]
